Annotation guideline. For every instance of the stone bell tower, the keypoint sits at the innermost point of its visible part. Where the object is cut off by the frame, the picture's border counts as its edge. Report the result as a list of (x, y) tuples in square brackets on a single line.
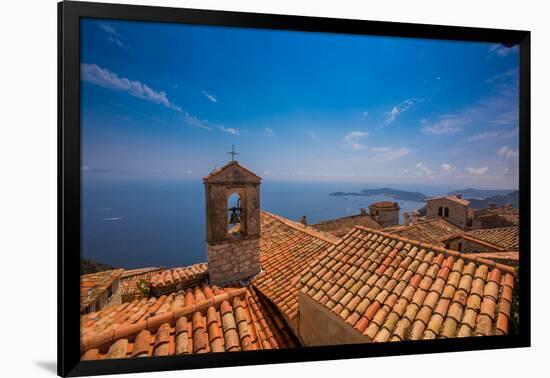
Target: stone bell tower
[(232, 230)]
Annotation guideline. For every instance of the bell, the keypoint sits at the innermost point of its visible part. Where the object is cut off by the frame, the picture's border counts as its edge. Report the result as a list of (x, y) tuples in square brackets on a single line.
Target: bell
[(234, 217)]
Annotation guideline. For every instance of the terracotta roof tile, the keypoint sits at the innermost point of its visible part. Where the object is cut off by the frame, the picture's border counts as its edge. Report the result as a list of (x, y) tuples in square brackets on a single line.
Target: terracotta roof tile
[(130, 280), (431, 231), (92, 285), (287, 250), (506, 238), (169, 280), (340, 226), (384, 204), (453, 198), (415, 290), (199, 319)]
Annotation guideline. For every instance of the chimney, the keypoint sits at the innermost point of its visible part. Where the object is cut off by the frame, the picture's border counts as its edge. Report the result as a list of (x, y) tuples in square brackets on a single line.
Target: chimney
[(405, 218), (303, 220), (414, 217), (363, 211), (459, 196)]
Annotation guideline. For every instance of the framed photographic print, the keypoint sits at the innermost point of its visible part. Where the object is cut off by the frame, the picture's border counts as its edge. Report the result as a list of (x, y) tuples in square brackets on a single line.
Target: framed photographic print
[(241, 188)]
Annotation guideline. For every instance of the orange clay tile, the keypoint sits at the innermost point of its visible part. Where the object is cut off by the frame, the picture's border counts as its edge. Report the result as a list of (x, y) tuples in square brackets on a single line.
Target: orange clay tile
[(287, 251), (431, 231), (429, 291), (340, 226), (92, 285), (169, 280), (199, 319)]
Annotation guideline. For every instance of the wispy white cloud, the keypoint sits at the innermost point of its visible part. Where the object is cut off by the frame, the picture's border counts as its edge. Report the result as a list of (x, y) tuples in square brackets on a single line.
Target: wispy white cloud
[(118, 42), (194, 121), (446, 125), (395, 111), (447, 169), (353, 140), (512, 73), (491, 135), (423, 170), (390, 153), (477, 171), (312, 134), (230, 130), (483, 136), (210, 97), (109, 29), (102, 77), (269, 132), (501, 50), (506, 152)]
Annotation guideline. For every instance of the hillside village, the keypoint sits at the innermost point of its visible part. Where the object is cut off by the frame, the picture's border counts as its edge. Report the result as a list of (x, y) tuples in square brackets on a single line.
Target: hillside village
[(269, 282)]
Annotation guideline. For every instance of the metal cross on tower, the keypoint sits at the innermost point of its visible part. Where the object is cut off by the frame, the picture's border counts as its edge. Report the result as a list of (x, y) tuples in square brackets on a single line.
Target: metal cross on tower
[(232, 153)]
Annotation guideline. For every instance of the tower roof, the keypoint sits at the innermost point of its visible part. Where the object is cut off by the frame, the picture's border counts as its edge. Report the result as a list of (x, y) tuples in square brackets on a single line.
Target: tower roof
[(232, 172)]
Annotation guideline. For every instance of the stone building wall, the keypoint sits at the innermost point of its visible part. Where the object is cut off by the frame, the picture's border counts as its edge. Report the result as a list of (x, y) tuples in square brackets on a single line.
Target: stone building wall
[(318, 326), (468, 246), (388, 218), (458, 213), (109, 297), (233, 260)]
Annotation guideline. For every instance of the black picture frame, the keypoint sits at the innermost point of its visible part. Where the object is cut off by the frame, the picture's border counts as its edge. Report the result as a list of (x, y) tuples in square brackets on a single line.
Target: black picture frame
[(69, 14)]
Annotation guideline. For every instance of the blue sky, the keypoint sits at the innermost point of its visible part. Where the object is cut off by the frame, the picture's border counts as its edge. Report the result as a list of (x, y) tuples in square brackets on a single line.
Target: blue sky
[(168, 101)]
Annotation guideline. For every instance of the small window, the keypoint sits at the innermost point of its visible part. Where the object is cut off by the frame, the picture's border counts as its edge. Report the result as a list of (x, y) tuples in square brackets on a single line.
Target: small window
[(440, 211), (235, 224), (446, 212), (460, 247)]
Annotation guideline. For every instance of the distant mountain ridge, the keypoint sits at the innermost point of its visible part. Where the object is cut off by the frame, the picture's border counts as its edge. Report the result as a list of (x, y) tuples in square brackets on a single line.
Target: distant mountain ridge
[(481, 194), (498, 200), (388, 192)]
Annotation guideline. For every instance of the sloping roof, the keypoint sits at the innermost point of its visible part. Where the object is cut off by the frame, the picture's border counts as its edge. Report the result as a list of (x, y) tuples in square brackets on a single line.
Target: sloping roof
[(384, 205), (179, 278), (452, 197), (92, 285), (198, 320), (506, 238), (507, 258), (390, 288), (286, 249), (130, 279), (231, 164), (340, 226), (432, 231)]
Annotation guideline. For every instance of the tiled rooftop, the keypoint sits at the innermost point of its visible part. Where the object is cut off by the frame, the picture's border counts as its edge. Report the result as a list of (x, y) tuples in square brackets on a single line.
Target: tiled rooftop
[(384, 204), (92, 285), (506, 238), (168, 280), (130, 279), (340, 226), (390, 288), (454, 198), (507, 258), (286, 249), (430, 231), (196, 320)]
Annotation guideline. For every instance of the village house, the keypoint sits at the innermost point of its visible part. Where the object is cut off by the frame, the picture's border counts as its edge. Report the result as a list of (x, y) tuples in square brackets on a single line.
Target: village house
[(386, 213), (485, 240), (495, 217), (100, 290), (341, 226), (452, 208), (270, 282)]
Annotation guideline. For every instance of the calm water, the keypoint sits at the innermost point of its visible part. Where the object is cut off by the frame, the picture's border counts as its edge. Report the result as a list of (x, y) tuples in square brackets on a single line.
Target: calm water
[(131, 223)]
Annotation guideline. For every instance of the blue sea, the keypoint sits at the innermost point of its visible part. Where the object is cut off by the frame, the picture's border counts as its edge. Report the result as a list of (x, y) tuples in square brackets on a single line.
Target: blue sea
[(138, 223)]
